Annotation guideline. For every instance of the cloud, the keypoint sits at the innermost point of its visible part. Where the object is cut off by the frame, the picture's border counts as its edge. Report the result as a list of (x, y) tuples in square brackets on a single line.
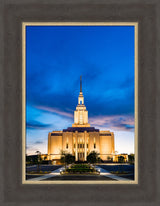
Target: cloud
[(115, 122), (37, 125), (106, 66), (101, 97), (54, 110), (38, 142)]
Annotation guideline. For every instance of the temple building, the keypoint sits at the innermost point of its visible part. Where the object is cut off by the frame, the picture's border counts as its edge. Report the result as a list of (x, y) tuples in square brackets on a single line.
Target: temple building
[(80, 139)]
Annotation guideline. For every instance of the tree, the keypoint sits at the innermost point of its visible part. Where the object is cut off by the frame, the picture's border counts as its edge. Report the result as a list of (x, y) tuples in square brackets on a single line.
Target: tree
[(99, 160), (39, 160), (32, 159), (93, 157), (108, 158), (121, 159), (67, 158), (131, 158)]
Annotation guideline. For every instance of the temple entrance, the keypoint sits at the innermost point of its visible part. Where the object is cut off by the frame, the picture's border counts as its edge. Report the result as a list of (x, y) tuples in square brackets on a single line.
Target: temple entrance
[(81, 156)]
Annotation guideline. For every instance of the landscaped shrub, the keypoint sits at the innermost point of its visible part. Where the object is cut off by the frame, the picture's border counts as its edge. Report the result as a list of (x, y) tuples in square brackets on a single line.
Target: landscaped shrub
[(80, 170)]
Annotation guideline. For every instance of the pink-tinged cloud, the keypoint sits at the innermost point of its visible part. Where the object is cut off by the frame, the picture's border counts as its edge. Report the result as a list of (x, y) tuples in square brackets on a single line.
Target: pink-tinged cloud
[(114, 122), (55, 111)]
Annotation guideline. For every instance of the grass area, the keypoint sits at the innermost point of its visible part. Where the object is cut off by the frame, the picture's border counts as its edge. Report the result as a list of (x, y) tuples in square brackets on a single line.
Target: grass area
[(80, 169), (38, 172), (81, 166), (119, 172), (122, 170), (118, 168)]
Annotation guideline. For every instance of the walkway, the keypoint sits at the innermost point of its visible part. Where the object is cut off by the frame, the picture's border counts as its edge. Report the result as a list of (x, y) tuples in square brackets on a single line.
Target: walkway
[(103, 172), (52, 174), (106, 173)]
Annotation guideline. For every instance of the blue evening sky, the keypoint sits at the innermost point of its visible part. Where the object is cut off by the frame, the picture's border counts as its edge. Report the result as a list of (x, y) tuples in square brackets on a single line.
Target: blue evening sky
[(56, 56)]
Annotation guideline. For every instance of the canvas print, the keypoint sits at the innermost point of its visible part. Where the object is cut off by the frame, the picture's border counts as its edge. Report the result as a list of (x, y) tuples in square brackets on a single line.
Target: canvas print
[(80, 103)]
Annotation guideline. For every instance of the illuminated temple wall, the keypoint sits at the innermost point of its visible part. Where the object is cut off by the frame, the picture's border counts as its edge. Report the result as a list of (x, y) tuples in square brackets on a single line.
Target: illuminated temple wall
[(80, 142), (55, 145), (106, 144)]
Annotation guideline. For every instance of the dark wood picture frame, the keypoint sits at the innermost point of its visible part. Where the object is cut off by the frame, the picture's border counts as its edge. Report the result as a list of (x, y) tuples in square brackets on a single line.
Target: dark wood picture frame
[(13, 13), (135, 57)]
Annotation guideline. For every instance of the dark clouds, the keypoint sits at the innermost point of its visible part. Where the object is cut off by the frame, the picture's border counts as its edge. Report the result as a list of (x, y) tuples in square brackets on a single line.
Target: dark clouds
[(38, 142), (57, 56), (55, 111), (119, 100), (37, 125)]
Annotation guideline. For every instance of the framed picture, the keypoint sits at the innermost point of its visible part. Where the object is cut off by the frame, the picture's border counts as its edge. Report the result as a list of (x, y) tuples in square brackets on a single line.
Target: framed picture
[(55, 92), (83, 153)]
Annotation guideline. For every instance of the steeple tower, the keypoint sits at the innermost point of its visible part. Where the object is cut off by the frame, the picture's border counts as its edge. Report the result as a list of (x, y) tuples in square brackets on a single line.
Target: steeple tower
[(81, 98), (80, 83), (80, 114)]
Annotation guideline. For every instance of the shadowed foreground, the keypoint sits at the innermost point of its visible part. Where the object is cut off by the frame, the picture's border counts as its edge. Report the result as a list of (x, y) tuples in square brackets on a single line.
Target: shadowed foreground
[(78, 177)]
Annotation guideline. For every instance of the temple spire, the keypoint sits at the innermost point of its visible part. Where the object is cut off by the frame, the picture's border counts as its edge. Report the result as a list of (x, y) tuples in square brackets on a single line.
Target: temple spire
[(81, 114), (80, 83)]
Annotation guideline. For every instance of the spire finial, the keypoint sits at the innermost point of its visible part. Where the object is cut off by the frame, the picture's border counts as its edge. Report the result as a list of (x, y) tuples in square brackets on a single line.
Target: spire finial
[(80, 83)]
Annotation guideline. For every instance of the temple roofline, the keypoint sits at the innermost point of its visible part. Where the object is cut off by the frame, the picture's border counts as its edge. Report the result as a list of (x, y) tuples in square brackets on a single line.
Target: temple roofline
[(81, 129)]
